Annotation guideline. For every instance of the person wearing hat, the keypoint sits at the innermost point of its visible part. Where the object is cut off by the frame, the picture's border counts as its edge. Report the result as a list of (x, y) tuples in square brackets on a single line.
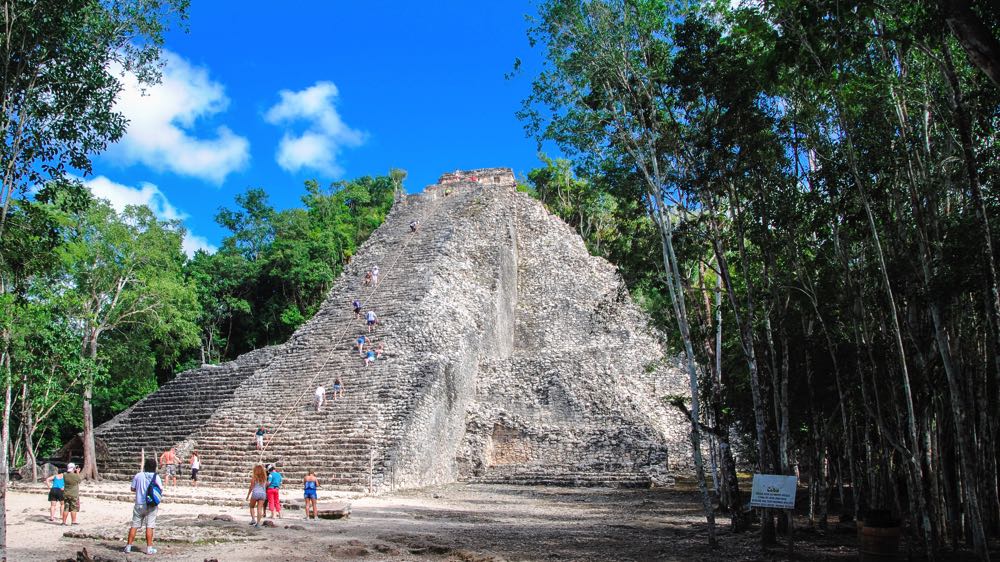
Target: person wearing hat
[(71, 493)]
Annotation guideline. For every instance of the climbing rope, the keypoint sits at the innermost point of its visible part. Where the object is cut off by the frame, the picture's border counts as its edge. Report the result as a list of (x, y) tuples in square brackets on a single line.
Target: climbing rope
[(375, 288)]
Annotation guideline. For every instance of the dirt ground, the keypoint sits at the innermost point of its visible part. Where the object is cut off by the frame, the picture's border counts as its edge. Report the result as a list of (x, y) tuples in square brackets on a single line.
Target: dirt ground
[(471, 523)]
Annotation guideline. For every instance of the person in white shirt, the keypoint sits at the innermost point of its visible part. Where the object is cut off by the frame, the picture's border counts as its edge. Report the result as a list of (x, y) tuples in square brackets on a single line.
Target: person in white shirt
[(319, 397), (195, 467)]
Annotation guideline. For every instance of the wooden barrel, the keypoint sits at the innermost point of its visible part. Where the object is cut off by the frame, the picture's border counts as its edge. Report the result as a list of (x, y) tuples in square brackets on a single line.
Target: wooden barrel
[(879, 543)]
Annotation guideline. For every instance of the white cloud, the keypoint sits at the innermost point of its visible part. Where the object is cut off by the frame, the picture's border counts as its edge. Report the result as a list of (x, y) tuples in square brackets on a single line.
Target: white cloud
[(161, 118), (326, 133), (121, 196), (192, 243)]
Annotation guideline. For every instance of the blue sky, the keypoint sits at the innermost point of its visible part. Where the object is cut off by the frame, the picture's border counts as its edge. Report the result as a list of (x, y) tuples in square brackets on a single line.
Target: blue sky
[(258, 97)]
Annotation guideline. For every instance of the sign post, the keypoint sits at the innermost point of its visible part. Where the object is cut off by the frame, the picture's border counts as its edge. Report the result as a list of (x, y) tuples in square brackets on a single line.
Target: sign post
[(775, 491)]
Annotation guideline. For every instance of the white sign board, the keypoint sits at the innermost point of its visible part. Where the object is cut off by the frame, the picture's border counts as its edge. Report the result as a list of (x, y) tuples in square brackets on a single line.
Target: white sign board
[(776, 491)]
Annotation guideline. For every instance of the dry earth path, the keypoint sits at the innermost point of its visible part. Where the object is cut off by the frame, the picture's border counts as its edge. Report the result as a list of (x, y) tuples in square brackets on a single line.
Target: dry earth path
[(454, 522)]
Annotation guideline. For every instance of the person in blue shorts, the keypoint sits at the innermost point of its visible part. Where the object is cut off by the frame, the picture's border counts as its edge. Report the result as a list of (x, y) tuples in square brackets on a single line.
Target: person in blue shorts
[(309, 485), (371, 319), (360, 344)]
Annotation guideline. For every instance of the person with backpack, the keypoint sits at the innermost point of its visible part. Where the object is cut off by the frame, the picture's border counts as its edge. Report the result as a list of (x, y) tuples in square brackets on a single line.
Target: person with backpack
[(148, 490)]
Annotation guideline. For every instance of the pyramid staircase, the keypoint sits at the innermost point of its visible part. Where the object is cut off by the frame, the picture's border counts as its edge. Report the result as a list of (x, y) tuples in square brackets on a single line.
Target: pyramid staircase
[(216, 409)]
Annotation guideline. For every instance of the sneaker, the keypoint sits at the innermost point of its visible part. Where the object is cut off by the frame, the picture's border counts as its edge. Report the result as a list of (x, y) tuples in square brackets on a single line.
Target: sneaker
[(150, 550), (128, 548), (253, 523)]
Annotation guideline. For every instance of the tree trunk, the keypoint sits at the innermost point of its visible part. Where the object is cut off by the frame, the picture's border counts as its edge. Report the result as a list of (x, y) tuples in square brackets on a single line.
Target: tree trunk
[(744, 326), (5, 448), (974, 36), (964, 126), (89, 448), (673, 278), (730, 483), (28, 427)]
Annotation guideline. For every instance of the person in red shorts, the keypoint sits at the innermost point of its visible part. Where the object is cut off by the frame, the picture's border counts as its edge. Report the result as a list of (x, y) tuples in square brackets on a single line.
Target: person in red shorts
[(274, 479)]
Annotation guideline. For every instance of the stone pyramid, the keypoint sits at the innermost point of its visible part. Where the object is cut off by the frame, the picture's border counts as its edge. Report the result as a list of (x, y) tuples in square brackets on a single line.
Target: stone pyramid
[(512, 355)]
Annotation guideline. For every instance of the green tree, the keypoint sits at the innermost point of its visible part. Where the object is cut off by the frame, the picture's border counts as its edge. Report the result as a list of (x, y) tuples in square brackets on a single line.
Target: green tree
[(275, 268), (125, 271), (830, 167), (57, 91)]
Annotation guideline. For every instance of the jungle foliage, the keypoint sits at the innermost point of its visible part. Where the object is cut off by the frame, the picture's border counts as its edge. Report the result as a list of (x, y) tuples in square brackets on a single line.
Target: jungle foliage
[(805, 194)]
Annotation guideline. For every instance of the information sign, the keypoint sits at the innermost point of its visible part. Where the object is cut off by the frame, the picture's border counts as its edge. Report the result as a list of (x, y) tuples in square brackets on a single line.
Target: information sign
[(775, 491)]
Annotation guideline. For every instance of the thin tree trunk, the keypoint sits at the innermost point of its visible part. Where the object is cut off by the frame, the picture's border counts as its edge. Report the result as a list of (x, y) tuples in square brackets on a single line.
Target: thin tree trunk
[(673, 278), (89, 447), (5, 448), (745, 329), (730, 482), (28, 428), (956, 392)]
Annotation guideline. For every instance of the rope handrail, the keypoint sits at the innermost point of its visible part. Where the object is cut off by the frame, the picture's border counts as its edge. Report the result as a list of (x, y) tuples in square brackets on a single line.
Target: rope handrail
[(435, 201)]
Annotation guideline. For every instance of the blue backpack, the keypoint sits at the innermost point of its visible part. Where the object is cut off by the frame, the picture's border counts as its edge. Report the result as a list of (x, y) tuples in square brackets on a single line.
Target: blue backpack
[(154, 495)]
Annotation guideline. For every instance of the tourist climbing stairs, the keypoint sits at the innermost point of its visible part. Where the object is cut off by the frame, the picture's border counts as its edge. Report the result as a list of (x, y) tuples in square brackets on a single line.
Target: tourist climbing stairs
[(217, 409)]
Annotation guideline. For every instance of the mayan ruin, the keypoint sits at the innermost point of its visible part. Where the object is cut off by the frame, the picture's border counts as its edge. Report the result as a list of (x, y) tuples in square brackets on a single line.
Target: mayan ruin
[(532, 280), (512, 355)]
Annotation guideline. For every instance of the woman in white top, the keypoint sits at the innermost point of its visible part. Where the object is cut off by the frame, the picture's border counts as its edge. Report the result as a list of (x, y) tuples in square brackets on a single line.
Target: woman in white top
[(195, 467)]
